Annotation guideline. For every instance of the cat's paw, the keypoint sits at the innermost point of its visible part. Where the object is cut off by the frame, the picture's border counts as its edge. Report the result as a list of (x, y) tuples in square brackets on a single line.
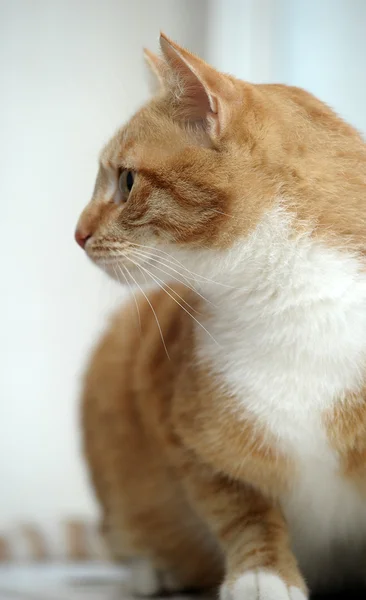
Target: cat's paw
[(146, 580), (260, 585)]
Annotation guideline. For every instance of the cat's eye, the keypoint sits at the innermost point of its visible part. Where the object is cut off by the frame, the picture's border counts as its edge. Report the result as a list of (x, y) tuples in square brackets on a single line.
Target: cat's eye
[(125, 184)]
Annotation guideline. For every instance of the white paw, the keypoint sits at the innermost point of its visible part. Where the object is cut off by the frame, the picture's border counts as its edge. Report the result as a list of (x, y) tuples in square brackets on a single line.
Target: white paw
[(146, 580), (260, 585)]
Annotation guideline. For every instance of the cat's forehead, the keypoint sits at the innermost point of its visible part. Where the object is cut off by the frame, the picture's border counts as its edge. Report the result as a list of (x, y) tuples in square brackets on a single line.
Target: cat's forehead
[(146, 129), (150, 133)]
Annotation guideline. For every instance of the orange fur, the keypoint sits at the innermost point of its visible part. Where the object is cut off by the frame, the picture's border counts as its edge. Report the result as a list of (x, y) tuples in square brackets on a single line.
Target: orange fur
[(347, 431), (184, 479), (138, 446)]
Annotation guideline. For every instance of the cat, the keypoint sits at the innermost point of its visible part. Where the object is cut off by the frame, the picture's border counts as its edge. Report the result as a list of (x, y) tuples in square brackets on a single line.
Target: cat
[(224, 411)]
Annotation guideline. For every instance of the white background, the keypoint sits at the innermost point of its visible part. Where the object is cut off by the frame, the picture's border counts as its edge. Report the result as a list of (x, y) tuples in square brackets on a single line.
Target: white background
[(71, 72)]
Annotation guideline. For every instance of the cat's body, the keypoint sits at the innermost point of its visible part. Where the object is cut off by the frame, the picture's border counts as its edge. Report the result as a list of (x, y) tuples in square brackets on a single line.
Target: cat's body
[(288, 350), (229, 440)]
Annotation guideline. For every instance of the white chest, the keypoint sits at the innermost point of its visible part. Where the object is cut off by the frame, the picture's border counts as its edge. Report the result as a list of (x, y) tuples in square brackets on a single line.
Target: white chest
[(291, 336), (291, 342), (290, 370)]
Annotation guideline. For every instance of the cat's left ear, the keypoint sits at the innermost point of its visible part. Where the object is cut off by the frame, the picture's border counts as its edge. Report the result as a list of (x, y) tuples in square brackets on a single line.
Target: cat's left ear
[(158, 68), (201, 92)]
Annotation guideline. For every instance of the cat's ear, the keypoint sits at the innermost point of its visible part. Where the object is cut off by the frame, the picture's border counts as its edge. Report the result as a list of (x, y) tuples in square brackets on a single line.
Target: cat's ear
[(157, 67), (202, 93)]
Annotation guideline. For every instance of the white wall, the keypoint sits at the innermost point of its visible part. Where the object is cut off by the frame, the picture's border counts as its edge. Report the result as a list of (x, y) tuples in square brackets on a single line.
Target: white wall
[(242, 36), (316, 44), (71, 72), (322, 47)]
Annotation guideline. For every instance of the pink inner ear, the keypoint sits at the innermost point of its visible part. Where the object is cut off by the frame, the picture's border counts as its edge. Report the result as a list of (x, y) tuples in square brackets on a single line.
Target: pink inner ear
[(195, 100)]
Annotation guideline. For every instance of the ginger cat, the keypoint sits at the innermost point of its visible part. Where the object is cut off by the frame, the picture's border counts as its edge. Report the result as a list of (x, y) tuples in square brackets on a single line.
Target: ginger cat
[(224, 410)]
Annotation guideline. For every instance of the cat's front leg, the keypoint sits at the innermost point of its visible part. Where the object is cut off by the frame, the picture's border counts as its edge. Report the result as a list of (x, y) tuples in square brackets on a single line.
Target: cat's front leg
[(261, 585), (253, 535)]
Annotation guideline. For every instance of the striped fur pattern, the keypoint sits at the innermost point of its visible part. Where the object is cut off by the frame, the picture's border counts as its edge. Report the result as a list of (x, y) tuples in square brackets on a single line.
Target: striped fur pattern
[(224, 411)]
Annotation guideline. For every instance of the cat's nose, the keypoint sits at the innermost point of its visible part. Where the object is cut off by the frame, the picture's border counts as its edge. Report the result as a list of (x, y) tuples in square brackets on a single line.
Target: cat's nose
[(81, 237)]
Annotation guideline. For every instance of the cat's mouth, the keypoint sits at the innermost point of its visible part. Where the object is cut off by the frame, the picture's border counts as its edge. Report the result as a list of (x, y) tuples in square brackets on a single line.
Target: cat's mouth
[(138, 264), (126, 263)]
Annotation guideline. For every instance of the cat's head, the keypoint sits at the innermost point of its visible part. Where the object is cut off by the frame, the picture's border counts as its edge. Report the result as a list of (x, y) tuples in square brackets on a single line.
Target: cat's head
[(195, 170)]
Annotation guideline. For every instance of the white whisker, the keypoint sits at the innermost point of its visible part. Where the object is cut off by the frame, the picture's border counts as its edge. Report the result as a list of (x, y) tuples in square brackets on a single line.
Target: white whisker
[(162, 261), (131, 290), (169, 287), (175, 300), (133, 294), (174, 291), (152, 308), (187, 285), (194, 275), (156, 249)]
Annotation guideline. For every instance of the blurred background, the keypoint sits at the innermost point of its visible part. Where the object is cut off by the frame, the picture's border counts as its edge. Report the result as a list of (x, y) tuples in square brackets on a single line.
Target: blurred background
[(71, 72)]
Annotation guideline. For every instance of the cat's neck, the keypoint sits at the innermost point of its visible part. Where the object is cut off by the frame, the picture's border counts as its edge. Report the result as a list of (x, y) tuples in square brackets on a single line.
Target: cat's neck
[(284, 291), (277, 269)]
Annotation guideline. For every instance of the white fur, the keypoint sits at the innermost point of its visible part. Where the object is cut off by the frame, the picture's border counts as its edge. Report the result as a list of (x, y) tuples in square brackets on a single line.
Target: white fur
[(291, 341), (260, 585), (146, 580)]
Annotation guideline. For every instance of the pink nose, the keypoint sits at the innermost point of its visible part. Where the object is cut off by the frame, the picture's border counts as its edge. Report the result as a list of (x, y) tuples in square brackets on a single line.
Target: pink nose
[(81, 237)]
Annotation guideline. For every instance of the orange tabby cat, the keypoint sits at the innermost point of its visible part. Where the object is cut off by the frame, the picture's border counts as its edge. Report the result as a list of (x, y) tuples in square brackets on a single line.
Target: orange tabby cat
[(224, 410)]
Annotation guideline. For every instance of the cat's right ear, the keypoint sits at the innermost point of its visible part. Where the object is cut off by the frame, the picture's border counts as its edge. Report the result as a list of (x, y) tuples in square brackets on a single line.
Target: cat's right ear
[(157, 68), (201, 93)]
